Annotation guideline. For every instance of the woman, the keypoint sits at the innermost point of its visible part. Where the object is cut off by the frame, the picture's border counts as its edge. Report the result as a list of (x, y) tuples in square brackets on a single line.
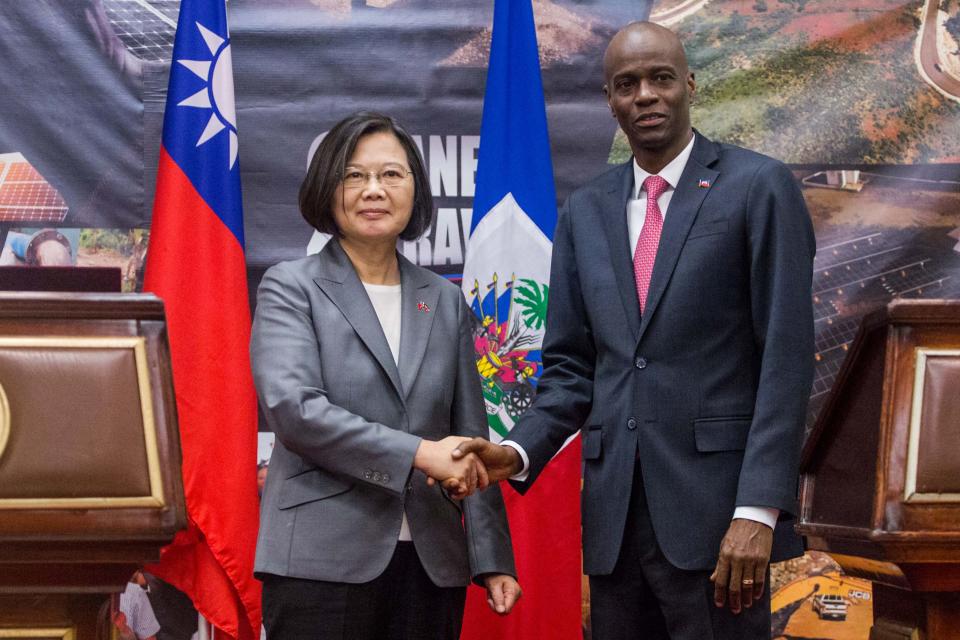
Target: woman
[(365, 370)]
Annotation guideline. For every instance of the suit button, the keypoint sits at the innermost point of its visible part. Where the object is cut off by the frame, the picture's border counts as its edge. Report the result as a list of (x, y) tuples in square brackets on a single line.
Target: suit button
[(376, 476), (632, 424), (368, 474), (640, 363), (385, 478)]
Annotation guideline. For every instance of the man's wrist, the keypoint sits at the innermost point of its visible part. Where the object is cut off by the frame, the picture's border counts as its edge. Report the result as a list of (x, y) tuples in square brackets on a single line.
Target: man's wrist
[(521, 467), (517, 462), (763, 515)]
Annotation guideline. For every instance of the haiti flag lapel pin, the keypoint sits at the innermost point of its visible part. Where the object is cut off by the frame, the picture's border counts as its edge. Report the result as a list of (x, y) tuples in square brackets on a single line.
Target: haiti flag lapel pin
[(703, 184), (423, 307)]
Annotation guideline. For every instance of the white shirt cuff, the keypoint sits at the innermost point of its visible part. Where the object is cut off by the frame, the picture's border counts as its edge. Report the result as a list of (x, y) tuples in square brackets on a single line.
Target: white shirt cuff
[(524, 473), (763, 515)]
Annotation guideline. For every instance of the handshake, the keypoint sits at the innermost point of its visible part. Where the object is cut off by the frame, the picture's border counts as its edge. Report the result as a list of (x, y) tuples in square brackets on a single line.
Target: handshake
[(463, 465)]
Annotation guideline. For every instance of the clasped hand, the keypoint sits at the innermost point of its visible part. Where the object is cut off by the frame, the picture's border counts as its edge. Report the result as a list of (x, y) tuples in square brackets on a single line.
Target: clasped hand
[(463, 465), (461, 476)]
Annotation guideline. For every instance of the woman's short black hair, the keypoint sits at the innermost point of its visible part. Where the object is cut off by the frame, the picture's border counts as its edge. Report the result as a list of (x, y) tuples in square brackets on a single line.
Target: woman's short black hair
[(330, 159)]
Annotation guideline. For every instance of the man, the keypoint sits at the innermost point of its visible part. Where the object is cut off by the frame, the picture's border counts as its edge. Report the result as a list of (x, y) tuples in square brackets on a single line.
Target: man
[(174, 611), (135, 619), (680, 337)]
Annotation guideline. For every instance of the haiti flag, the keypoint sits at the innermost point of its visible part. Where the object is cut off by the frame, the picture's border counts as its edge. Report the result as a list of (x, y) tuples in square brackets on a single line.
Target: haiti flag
[(505, 281)]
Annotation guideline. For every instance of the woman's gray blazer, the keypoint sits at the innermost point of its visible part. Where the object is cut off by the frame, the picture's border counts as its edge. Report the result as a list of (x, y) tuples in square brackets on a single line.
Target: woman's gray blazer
[(348, 421)]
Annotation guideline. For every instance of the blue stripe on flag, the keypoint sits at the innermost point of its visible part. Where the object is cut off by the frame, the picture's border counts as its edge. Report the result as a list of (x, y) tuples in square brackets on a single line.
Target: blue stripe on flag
[(514, 154)]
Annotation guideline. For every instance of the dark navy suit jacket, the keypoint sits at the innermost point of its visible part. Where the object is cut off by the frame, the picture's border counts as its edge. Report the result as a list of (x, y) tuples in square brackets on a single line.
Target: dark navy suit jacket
[(708, 390)]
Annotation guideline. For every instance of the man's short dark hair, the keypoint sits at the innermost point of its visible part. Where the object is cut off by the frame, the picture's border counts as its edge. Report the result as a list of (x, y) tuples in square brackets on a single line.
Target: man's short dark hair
[(330, 159)]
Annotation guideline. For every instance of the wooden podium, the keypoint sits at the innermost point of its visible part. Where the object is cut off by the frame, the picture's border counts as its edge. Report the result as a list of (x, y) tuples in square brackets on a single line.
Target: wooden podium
[(90, 484), (880, 473)]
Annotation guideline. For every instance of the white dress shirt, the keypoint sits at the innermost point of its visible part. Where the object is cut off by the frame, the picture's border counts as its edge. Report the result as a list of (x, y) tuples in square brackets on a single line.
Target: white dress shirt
[(636, 215), (637, 207), (135, 605)]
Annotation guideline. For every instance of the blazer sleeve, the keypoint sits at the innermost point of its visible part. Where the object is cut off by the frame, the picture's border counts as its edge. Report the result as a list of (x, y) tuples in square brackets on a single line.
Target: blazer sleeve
[(485, 516), (285, 356), (565, 389), (781, 250)]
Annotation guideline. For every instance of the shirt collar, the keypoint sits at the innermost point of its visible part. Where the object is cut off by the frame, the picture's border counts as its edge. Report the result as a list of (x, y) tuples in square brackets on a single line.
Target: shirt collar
[(671, 173)]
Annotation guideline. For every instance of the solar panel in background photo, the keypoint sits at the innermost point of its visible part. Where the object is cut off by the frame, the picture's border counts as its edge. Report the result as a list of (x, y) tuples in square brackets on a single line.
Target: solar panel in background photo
[(146, 27), (25, 196), (858, 271)]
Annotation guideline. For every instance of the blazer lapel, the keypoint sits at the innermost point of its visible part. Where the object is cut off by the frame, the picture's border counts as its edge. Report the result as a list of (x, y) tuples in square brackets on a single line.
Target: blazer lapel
[(614, 216), (418, 309), (683, 210), (342, 286)]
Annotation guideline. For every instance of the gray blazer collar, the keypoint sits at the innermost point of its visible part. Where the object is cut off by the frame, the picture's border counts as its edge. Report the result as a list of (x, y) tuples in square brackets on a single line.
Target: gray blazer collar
[(419, 299), (339, 281)]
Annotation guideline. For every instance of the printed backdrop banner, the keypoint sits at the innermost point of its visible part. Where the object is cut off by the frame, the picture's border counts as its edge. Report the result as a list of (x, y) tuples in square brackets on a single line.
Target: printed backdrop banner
[(860, 97)]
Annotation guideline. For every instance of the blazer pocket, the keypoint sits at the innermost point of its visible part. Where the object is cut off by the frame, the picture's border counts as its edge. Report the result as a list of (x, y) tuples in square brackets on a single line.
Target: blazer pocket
[(592, 443), (708, 228), (722, 434), (310, 486)]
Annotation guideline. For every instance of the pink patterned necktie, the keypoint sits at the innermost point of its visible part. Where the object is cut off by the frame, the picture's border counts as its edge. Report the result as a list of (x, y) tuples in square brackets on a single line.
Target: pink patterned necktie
[(646, 251)]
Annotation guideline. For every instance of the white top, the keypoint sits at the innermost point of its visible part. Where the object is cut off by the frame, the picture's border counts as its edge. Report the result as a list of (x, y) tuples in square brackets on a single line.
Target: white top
[(636, 215), (386, 302), (135, 605)]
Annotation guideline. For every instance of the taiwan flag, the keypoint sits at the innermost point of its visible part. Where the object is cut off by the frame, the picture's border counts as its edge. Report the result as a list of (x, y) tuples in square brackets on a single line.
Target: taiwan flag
[(505, 281), (195, 262)]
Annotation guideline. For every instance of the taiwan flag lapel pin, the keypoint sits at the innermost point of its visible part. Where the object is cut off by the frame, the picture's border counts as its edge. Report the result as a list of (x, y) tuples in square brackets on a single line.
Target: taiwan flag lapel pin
[(423, 307), (703, 184)]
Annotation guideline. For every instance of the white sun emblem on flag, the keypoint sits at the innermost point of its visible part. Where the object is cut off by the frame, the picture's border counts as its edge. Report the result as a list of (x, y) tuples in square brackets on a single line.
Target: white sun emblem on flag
[(218, 94)]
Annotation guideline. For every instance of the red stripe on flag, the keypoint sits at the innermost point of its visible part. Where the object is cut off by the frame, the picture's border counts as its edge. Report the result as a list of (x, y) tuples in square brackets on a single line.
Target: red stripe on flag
[(545, 527), (197, 266)]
